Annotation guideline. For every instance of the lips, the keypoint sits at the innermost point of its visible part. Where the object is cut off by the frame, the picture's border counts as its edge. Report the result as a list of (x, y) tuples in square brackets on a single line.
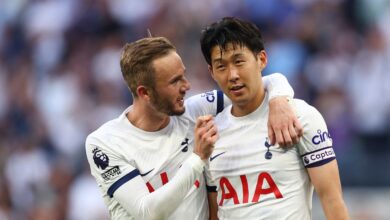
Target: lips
[(181, 100), (236, 90), (236, 87)]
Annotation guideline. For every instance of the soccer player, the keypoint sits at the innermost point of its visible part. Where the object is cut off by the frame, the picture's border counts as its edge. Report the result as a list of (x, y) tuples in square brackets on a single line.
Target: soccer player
[(249, 178), (149, 161)]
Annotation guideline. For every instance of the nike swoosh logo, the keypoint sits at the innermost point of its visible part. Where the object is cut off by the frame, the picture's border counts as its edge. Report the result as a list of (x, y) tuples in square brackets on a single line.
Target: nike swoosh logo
[(144, 174), (212, 158)]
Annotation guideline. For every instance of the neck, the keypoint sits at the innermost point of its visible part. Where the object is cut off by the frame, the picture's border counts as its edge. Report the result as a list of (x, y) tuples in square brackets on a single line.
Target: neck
[(144, 117), (249, 106)]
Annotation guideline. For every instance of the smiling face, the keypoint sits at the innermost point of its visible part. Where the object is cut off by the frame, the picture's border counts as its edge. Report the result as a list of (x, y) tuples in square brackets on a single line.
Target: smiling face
[(167, 95), (237, 71)]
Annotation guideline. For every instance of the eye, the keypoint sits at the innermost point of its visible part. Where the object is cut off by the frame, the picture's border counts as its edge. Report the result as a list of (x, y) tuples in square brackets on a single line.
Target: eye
[(238, 62), (175, 80), (220, 67)]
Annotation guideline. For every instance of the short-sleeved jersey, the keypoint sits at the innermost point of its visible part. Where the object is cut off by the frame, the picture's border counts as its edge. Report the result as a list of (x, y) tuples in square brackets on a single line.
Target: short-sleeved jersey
[(257, 180), (119, 151)]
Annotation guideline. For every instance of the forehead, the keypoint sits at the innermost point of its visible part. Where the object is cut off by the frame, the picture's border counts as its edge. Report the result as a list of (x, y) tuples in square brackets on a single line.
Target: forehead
[(218, 52), (168, 65)]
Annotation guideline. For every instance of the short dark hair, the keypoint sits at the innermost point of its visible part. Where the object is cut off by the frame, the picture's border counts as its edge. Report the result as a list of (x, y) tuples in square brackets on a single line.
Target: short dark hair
[(230, 30), (136, 61)]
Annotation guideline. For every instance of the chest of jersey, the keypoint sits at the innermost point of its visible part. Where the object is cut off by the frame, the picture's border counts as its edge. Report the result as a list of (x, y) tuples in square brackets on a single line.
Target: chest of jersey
[(246, 168), (158, 158)]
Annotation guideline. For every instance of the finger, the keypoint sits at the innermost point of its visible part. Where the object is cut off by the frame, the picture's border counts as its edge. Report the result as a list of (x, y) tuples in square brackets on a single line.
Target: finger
[(293, 134), (203, 119), (209, 123), (273, 138), (287, 137), (271, 134), (210, 132), (199, 122), (279, 137), (298, 128), (214, 138)]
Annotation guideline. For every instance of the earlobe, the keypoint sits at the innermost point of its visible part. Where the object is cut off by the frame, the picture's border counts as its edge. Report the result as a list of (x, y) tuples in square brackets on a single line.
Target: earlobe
[(263, 58)]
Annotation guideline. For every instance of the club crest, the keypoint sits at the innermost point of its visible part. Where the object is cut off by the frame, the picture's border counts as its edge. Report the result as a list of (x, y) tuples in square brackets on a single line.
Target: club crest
[(268, 154)]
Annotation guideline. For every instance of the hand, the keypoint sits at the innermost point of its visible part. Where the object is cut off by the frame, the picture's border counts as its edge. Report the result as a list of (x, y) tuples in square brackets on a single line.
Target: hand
[(205, 136), (283, 125)]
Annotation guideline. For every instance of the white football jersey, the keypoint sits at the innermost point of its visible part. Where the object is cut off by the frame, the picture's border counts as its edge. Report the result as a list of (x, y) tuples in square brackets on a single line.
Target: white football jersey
[(119, 151), (256, 180)]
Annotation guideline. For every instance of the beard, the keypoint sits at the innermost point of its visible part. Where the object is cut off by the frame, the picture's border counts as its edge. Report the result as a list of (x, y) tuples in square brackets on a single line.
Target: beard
[(164, 105)]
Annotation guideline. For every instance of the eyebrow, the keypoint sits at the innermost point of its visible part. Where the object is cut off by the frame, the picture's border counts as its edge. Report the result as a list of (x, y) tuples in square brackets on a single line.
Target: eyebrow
[(235, 55)]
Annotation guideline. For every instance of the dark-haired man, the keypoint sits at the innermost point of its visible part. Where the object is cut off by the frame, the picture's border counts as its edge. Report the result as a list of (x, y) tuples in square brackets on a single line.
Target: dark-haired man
[(252, 178)]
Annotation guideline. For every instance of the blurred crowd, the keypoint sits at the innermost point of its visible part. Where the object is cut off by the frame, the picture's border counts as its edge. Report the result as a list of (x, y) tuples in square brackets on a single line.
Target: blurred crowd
[(60, 79)]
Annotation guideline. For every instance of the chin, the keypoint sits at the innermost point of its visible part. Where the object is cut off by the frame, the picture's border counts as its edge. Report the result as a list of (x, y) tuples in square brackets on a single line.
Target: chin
[(176, 112)]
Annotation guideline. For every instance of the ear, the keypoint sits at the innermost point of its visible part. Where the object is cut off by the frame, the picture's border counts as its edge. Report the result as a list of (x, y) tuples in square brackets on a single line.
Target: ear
[(143, 92), (211, 71), (262, 57)]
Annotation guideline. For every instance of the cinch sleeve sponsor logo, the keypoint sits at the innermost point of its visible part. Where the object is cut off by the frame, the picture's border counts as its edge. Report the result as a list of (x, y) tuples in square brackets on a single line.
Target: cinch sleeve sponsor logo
[(210, 97), (320, 137), (322, 155)]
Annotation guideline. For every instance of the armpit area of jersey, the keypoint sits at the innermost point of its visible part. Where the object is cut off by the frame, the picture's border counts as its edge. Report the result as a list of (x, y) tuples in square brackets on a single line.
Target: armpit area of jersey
[(318, 157)]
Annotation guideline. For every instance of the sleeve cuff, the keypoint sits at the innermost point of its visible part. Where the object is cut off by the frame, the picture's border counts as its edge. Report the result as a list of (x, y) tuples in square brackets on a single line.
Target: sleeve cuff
[(196, 163)]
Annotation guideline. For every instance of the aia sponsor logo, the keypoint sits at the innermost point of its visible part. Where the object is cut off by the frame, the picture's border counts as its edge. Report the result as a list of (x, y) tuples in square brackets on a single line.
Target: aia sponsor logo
[(265, 185), (320, 137)]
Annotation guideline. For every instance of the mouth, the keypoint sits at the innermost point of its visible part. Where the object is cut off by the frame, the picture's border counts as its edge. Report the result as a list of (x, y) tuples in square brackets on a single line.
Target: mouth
[(235, 89), (180, 101)]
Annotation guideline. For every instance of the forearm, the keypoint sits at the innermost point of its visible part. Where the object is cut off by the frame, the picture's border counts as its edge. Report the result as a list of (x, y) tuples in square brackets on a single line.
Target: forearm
[(213, 206), (277, 85), (159, 204), (334, 207), (327, 184)]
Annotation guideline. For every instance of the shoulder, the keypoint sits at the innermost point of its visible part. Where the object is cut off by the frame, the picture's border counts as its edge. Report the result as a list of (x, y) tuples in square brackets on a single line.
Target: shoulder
[(305, 112), (104, 131), (316, 145), (208, 97), (105, 136), (208, 103)]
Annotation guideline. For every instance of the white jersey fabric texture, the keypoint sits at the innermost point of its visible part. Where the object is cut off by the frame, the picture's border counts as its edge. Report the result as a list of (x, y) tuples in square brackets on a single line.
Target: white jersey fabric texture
[(119, 152), (158, 170), (256, 180)]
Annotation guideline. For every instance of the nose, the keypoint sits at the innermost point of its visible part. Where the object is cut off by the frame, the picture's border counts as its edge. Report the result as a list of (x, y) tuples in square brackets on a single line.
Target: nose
[(186, 85), (233, 74)]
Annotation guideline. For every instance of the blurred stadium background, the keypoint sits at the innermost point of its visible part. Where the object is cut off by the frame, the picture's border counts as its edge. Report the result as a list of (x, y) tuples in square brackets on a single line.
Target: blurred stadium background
[(60, 79)]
